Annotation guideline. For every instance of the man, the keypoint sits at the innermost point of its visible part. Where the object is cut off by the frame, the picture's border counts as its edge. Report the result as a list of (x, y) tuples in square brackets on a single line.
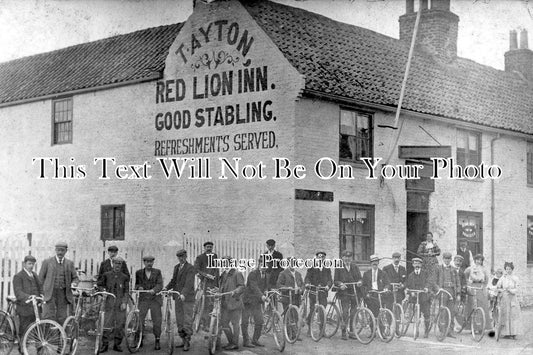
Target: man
[(26, 283), (57, 274), (374, 279), (117, 283), (253, 298), (396, 273), (348, 274), (465, 253), (273, 269), (231, 280), (209, 277), (290, 277), (107, 264), (320, 277), (150, 279), (458, 263), (448, 279), (183, 282), (419, 280)]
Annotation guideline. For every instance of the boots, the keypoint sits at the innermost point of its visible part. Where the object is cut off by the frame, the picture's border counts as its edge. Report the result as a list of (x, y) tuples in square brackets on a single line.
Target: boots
[(157, 345)]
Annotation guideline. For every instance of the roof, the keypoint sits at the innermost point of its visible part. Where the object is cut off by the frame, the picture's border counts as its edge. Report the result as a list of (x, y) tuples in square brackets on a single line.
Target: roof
[(335, 58), (353, 62), (119, 59)]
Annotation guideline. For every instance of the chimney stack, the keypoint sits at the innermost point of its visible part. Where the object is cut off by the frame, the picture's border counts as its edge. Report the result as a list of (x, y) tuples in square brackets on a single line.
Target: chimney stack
[(519, 59), (437, 30)]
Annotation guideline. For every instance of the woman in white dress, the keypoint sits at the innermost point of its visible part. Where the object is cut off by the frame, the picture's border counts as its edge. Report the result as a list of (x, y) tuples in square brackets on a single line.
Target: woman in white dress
[(478, 277), (509, 306)]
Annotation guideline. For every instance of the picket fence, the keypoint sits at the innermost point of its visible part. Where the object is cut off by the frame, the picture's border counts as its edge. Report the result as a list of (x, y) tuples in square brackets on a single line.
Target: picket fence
[(88, 255)]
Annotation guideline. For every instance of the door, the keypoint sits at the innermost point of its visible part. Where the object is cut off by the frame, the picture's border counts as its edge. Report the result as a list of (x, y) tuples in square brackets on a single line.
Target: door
[(417, 228)]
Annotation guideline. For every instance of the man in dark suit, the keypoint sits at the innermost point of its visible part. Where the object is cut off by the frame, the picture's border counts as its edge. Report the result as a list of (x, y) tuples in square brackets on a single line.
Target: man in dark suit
[(26, 283), (321, 277), (347, 275), (209, 277), (253, 298), (396, 273), (183, 282), (448, 279), (150, 279), (231, 280), (290, 277), (57, 274), (273, 267), (465, 253), (458, 263), (374, 279), (419, 280), (107, 264)]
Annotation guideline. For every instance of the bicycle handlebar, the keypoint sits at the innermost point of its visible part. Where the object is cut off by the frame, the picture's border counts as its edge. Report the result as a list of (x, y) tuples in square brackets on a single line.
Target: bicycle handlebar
[(319, 288), (272, 292), (217, 294), (474, 288), (289, 288), (166, 292), (378, 292), (104, 293), (415, 291), (446, 292), (33, 298)]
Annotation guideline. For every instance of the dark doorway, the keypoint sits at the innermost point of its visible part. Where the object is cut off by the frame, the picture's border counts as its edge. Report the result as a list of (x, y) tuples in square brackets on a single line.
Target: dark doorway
[(417, 227)]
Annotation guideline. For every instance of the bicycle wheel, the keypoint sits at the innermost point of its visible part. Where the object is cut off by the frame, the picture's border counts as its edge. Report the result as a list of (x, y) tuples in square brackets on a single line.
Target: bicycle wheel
[(267, 319), (416, 324), (277, 331), (318, 322), (386, 325), (213, 334), (434, 309), (7, 333), (99, 333), (397, 310), (363, 324), (478, 324), (291, 324), (409, 312), (442, 323), (133, 332), (333, 320), (198, 310), (169, 331), (460, 316), (72, 330), (44, 337)]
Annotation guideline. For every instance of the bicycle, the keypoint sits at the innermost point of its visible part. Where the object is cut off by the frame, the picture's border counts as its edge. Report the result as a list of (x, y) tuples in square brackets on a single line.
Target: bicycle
[(43, 335), (476, 317), (333, 315), (272, 319), (363, 322), (133, 331), (214, 324), (199, 302), (496, 316), (412, 310), (167, 321), (317, 322), (291, 318), (100, 322), (397, 309), (8, 332), (440, 314), (72, 323), (386, 324)]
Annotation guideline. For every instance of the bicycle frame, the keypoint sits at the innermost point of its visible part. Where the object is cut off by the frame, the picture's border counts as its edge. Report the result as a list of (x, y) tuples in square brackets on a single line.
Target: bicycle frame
[(474, 309), (439, 310), (214, 326), (416, 312), (382, 317), (317, 308)]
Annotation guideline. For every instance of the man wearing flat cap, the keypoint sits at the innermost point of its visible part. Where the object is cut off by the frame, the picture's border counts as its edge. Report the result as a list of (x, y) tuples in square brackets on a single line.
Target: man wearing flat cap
[(231, 280), (26, 283), (347, 282), (419, 280), (319, 276), (458, 264), (448, 280), (273, 268), (57, 274), (396, 273), (183, 282), (150, 279), (107, 264), (209, 278)]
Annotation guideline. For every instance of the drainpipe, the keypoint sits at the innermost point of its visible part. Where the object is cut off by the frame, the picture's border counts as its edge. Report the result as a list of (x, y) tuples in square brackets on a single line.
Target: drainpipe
[(492, 203)]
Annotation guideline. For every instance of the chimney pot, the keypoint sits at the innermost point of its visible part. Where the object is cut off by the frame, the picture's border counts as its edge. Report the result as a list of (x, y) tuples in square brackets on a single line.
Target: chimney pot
[(523, 39), (513, 40), (409, 6), (440, 5)]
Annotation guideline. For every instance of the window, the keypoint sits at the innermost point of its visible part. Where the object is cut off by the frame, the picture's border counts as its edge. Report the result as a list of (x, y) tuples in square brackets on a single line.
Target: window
[(62, 121), (468, 148), (357, 230), (529, 163), (470, 228), (529, 239), (355, 135), (112, 221)]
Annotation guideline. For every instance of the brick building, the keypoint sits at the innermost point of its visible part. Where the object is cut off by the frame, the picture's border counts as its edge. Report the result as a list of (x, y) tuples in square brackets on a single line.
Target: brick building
[(258, 81)]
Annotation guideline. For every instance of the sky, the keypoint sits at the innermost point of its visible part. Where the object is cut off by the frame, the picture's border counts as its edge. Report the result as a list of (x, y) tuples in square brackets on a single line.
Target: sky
[(29, 27)]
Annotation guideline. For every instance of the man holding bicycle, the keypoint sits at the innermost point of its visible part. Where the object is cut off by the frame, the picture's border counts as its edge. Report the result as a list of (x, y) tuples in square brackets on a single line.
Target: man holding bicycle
[(320, 277), (26, 283), (253, 298), (150, 279), (349, 274), (209, 277), (448, 279), (418, 280), (374, 279), (232, 281)]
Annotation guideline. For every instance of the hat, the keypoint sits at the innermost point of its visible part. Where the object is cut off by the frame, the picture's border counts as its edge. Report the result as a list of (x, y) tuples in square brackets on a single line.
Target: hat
[(271, 242), (181, 252), (148, 258), (118, 260), (447, 255), (417, 260), (347, 253), (227, 257), (479, 256), (396, 254), (112, 248), (320, 252), (208, 243), (62, 245), (374, 258), (29, 258), (459, 257)]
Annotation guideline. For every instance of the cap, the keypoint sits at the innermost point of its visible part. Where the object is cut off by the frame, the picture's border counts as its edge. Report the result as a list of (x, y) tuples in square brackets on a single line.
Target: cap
[(148, 258), (62, 245), (181, 252), (227, 257), (320, 252), (118, 260), (347, 253), (29, 258), (396, 255), (459, 257), (479, 256), (112, 248), (271, 242), (417, 260), (208, 243), (374, 258), (447, 255)]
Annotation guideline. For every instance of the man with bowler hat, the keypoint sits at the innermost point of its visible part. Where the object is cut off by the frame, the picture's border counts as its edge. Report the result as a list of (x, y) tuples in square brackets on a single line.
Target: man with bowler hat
[(419, 280), (26, 283), (273, 267), (107, 264)]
